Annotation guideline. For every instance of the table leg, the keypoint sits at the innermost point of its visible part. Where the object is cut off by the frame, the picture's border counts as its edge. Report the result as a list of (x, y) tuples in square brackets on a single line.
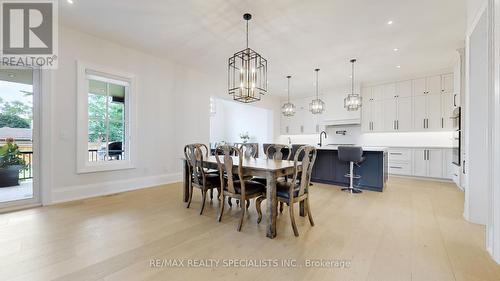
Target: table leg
[(185, 188), (271, 206), (301, 209)]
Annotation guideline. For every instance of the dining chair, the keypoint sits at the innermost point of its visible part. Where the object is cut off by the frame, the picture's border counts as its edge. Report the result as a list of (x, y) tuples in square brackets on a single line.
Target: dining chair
[(275, 152), (249, 150), (297, 190), (239, 189), (198, 176)]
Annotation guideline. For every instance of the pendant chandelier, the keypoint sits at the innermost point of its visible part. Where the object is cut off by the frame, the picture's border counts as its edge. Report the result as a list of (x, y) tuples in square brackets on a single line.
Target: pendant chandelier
[(288, 109), (353, 101), (247, 73), (317, 106)]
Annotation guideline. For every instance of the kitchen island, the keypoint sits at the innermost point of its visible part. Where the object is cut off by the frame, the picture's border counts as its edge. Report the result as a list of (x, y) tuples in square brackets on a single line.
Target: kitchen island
[(373, 170)]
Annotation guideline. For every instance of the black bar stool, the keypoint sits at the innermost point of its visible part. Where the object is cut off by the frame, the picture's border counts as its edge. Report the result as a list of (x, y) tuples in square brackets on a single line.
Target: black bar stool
[(353, 155)]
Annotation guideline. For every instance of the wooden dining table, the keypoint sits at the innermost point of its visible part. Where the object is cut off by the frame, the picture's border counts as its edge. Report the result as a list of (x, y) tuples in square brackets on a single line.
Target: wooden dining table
[(259, 167)]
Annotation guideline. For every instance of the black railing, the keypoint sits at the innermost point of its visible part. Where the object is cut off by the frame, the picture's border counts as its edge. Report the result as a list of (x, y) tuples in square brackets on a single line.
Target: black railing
[(27, 156), (28, 159)]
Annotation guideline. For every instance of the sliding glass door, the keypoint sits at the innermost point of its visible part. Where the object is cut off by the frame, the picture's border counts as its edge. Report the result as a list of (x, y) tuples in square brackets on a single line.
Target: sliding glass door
[(19, 99)]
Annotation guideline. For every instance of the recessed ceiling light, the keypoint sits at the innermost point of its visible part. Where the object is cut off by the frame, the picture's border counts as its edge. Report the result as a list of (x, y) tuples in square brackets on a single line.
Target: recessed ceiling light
[(390, 22), (398, 66), (70, 1), (395, 49)]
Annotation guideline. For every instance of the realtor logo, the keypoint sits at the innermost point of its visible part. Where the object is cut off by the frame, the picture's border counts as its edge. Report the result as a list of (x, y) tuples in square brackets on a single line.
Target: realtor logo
[(28, 33)]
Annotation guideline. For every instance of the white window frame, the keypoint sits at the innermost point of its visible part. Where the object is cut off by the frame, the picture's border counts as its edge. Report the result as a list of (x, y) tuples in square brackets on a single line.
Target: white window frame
[(83, 164)]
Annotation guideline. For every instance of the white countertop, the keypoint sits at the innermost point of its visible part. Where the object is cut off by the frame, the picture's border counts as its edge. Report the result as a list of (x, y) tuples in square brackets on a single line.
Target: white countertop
[(365, 148)]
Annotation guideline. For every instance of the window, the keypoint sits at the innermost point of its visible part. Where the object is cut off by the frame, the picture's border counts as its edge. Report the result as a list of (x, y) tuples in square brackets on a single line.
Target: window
[(104, 111)]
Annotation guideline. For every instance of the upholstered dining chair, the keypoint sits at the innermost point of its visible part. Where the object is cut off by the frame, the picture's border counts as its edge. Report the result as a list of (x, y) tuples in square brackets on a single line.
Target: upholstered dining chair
[(198, 175), (297, 189), (239, 189)]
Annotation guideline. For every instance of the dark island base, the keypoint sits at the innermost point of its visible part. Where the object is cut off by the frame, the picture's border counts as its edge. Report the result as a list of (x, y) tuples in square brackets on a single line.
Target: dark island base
[(330, 170)]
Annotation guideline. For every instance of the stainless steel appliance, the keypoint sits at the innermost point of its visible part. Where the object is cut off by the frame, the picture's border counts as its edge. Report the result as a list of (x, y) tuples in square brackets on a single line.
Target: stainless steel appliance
[(456, 136)]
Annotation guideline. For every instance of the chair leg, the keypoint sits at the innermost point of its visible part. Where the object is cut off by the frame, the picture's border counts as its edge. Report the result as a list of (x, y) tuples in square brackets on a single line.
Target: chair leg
[(204, 195), (308, 206), (257, 206), (281, 207), (243, 210), (221, 209), (292, 219), (190, 196), (229, 202), (211, 194), (248, 203)]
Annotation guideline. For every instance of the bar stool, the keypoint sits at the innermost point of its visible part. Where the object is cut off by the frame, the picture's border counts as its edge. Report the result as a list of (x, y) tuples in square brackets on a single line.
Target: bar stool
[(353, 155)]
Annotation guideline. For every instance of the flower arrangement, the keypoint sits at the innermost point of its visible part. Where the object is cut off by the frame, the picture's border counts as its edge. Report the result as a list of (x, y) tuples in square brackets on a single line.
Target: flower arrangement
[(11, 162), (245, 137)]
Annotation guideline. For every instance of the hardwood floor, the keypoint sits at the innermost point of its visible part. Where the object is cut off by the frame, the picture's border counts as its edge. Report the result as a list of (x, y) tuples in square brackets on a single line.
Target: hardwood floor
[(412, 231)]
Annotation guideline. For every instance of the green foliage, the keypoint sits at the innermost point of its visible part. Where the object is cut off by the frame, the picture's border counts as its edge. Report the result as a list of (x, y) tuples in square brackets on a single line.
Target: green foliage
[(11, 156), (97, 119), (13, 121)]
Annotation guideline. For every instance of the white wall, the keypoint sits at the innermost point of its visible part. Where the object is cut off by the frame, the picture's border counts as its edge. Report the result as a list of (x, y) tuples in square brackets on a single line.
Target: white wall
[(172, 110), (477, 188), (233, 118)]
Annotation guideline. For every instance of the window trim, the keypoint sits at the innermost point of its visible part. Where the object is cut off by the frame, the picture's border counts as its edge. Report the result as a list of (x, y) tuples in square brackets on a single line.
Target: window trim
[(83, 165)]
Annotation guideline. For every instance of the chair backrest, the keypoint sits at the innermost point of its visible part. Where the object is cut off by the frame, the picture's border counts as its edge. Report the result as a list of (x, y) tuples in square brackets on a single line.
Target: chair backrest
[(203, 148), (309, 157), (295, 148), (219, 151), (225, 163), (350, 153), (194, 158), (248, 150), (278, 152)]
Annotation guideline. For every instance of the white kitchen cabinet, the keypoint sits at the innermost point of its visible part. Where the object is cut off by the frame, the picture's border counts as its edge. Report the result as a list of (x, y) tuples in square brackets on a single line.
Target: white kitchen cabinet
[(400, 161), (378, 92), (447, 83), (447, 107), (404, 89), (372, 116), (389, 91), (335, 111), (428, 162), (390, 114), (427, 112), (405, 116), (433, 85)]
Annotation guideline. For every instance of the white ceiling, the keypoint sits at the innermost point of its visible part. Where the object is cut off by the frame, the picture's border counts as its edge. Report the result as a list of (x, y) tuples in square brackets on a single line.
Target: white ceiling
[(295, 36)]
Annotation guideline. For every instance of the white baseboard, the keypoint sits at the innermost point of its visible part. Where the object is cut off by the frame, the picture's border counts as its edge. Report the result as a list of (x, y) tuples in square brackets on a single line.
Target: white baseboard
[(421, 178), (78, 192)]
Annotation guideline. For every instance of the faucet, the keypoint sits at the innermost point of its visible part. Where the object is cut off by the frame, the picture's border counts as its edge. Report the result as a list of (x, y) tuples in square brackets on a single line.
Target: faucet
[(321, 139), (289, 140)]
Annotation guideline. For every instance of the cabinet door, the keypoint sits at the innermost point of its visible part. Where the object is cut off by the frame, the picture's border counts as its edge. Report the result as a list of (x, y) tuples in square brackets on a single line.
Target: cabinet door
[(404, 89), (294, 122), (420, 162), (378, 92), (447, 110), (447, 83), (285, 123), (390, 114), (435, 169), (377, 115), (405, 110), (433, 84), (419, 87), (434, 112), (366, 116), (366, 93), (419, 112), (389, 91)]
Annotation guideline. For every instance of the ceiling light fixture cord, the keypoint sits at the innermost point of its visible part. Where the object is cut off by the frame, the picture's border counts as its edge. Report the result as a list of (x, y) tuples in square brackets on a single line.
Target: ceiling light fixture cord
[(317, 83), (288, 88), (247, 34), (352, 90)]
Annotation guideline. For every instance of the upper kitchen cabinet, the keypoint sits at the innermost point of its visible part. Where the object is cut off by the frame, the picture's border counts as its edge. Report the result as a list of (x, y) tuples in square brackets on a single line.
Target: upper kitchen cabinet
[(447, 83), (427, 86)]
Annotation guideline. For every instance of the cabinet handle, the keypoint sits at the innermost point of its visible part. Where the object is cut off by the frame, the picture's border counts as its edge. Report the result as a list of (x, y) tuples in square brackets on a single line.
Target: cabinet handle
[(394, 124), (454, 100), (463, 167), (425, 155), (442, 122), (428, 155), (394, 167), (396, 153), (424, 123), (397, 124)]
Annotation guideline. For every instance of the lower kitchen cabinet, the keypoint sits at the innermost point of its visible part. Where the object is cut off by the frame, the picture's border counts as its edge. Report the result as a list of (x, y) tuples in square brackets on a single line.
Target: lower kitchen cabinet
[(421, 162)]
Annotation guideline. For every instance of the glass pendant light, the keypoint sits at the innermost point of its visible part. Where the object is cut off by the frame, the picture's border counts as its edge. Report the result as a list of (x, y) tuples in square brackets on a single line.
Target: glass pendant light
[(353, 101), (247, 73), (317, 106), (288, 109)]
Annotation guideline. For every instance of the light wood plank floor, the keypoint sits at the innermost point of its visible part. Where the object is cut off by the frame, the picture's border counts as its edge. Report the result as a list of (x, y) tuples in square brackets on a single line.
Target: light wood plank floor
[(412, 231)]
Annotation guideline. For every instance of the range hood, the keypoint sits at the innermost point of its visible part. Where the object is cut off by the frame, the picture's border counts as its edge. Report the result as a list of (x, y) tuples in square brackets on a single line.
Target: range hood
[(342, 122)]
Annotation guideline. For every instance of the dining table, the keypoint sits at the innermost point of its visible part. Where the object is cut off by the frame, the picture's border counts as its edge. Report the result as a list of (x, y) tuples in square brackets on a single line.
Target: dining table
[(269, 169)]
